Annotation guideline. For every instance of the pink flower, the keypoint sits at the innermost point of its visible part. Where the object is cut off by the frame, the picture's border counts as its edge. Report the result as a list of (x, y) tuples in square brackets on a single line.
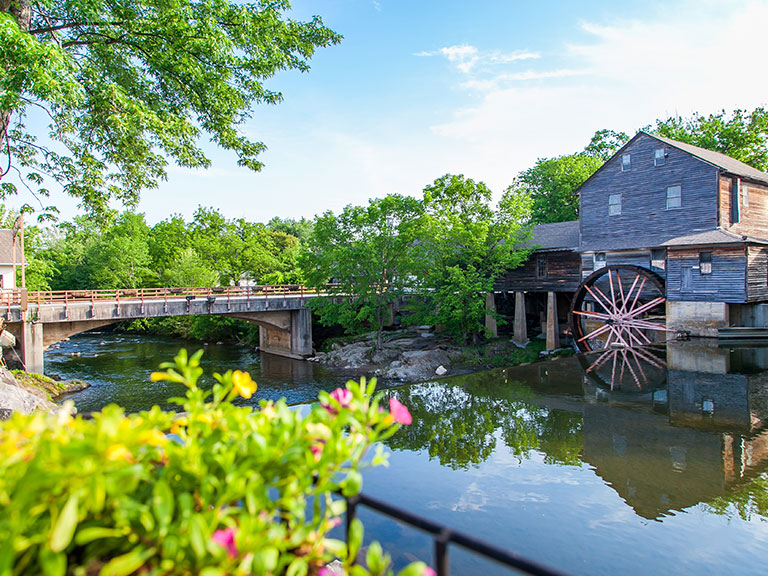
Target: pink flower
[(428, 572), (317, 450), (399, 412), (226, 539), (342, 396), (325, 571)]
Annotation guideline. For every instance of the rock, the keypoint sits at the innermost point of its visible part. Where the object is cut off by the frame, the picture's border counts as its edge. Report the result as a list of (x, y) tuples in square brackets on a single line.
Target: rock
[(15, 398), (441, 370), (427, 335)]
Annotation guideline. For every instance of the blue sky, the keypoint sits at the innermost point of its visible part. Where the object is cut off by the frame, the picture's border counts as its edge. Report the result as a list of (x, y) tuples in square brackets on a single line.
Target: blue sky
[(421, 88)]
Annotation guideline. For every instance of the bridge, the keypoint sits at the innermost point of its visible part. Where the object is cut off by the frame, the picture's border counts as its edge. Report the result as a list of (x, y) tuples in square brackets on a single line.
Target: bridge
[(39, 319)]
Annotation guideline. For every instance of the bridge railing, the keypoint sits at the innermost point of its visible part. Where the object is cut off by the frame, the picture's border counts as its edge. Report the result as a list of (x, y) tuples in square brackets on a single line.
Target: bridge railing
[(19, 297)]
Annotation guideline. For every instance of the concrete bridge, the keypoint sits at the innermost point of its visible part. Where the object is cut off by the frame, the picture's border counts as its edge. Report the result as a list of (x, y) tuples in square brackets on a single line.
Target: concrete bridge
[(39, 319)]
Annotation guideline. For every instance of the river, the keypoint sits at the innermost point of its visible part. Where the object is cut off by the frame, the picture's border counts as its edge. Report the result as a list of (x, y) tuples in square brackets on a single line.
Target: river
[(647, 462)]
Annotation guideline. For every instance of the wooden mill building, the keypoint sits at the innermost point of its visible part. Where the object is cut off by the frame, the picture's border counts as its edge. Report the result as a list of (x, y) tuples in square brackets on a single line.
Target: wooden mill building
[(695, 220)]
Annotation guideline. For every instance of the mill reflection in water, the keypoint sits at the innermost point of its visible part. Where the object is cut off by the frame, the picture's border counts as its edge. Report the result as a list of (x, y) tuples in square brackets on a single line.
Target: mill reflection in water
[(681, 442)]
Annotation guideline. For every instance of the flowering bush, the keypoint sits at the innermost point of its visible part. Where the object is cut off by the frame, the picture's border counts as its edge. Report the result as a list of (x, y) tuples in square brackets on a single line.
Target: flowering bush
[(219, 489)]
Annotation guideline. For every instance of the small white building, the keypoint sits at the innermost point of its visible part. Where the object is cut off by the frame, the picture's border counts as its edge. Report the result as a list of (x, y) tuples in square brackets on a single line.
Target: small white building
[(7, 277)]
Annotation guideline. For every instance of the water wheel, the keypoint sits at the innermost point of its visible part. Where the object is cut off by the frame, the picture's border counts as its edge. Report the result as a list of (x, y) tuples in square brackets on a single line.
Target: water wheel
[(620, 305)]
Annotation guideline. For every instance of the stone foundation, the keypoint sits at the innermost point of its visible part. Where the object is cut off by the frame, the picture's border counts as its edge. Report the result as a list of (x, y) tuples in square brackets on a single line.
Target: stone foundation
[(697, 318)]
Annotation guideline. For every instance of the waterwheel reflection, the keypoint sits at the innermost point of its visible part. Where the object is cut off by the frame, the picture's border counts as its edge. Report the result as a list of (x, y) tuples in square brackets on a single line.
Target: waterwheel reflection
[(627, 368)]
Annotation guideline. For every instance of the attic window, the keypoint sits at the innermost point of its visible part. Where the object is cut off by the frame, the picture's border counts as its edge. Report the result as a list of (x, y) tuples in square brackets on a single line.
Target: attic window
[(705, 262), (659, 157), (626, 162), (674, 197), (614, 204)]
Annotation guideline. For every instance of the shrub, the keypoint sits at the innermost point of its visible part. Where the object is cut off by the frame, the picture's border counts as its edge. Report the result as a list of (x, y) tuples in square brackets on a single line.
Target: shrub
[(220, 489)]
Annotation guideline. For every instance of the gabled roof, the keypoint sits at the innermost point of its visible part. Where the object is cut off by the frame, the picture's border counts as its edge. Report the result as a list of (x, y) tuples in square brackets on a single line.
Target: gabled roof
[(722, 161), (6, 255), (556, 236), (717, 236)]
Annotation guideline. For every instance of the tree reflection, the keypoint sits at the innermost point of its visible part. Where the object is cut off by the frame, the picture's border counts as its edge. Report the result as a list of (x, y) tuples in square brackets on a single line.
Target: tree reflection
[(460, 422)]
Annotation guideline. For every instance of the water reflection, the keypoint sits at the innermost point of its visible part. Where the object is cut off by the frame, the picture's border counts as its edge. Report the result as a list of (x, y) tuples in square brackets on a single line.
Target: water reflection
[(675, 427)]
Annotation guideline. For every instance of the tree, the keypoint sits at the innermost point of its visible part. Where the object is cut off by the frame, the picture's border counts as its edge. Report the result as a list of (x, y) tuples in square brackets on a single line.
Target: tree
[(741, 134), (126, 85), (188, 269), (120, 257), (366, 252), (463, 247)]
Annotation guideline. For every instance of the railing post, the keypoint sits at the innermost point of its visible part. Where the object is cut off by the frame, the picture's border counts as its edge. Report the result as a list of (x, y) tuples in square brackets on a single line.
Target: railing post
[(117, 297), (93, 304), (165, 301), (351, 516), (442, 561)]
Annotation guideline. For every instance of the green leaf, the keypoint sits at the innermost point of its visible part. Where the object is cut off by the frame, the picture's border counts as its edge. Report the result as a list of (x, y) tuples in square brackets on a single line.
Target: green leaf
[(197, 531), (354, 539), (65, 526), (375, 559), (127, 563), (162, 505), (414, 569), (298, 567), (352, 484), (52, 563), (87, 535)]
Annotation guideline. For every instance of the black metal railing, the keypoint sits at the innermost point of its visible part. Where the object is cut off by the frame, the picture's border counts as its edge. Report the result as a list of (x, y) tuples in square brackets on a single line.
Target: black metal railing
[(442, 536)]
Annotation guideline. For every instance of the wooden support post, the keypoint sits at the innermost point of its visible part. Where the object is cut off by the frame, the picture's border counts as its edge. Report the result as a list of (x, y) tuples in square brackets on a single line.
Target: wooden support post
[(491, 329), (520, 336), (553, 330)]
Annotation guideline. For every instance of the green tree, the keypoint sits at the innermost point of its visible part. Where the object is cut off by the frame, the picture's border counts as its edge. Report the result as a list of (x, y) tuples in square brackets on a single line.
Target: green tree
[(127, 85), (301, 229), (168, 239), (366, 252), (742, 135), (188, 269), (120, 257), (464, 245)]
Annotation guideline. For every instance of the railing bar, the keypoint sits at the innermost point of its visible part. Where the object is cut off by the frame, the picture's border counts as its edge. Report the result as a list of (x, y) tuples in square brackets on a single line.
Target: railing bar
[(505, 557)]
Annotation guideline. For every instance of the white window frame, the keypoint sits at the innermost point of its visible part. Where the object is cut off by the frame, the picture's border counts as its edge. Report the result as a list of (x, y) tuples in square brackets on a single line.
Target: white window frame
[(678, 197), (659, 156), (614, 204), (626, 162), (598, 260), (705, 267)]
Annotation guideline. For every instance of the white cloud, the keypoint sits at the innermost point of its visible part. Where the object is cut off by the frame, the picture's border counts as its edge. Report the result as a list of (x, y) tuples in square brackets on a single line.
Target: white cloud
[(467, 58), (689, 57)]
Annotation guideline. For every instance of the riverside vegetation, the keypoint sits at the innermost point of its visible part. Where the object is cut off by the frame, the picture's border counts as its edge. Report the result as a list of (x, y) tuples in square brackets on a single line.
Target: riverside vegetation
[(221, 489)]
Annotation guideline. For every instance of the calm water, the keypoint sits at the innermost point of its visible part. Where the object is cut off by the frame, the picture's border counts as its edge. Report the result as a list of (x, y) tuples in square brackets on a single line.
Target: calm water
[(650, 462)]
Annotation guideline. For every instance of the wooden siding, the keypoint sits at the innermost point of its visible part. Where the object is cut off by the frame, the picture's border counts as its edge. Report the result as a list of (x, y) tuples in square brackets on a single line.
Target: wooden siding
[(727, 283), (644, 221), (563, 274), (753, 218), (757, 273), (640, 258)]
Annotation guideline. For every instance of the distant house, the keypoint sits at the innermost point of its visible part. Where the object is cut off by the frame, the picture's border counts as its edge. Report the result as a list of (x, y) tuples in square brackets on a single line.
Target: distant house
[(7, 276), (696, 219)]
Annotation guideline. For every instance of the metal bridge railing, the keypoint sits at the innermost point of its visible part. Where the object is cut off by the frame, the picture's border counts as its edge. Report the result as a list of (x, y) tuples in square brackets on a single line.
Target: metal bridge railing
[(20, 297), (442, 536)]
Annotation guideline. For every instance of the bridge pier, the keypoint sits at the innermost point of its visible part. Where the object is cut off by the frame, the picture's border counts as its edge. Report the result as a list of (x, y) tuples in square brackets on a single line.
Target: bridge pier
[(293, 342), (32, 346)]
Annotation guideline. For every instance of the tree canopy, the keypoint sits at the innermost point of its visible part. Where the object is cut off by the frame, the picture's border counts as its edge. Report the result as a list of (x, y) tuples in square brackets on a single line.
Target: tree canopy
[(125, 86)]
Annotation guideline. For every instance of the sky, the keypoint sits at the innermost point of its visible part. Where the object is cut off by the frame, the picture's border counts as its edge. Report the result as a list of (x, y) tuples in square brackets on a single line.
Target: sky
[(421, 88)]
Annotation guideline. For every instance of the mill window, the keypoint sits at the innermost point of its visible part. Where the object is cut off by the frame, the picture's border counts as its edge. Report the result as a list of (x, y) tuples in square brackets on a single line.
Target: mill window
[(658, 259), (614, 204), (626, 162), (674, 197), (599, 260), (541, 267), (659, 157), (705, 262)]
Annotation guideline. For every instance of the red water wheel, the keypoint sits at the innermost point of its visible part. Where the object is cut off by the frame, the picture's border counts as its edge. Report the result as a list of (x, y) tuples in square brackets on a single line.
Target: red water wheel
[(619, 305)]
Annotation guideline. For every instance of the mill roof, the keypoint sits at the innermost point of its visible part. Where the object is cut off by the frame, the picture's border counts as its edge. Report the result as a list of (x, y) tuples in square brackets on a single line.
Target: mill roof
[(718, 159), (556, 236)]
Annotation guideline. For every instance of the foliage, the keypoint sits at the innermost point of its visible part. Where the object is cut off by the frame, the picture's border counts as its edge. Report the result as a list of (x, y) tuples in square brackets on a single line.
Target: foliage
[(366, 254), (203, 328), (219, 490), (463, 247), (460, 421), (742, 135), (188, 269), (126, 86)]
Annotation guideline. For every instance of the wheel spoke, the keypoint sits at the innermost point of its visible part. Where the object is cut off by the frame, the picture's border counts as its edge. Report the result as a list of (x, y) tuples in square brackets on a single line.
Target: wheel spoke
[(596, 333), (598, 315)]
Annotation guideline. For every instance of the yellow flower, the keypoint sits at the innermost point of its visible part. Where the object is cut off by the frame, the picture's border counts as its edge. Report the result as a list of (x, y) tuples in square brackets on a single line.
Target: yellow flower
[(243, 383), (319, 431), (205, 418), (158, 376), (119, 452), (153, 437), (178, 424)]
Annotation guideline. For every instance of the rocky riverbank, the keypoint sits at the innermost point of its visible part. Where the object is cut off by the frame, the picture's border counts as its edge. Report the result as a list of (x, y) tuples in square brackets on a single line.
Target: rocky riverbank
[(23, 392), (418, 355)]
